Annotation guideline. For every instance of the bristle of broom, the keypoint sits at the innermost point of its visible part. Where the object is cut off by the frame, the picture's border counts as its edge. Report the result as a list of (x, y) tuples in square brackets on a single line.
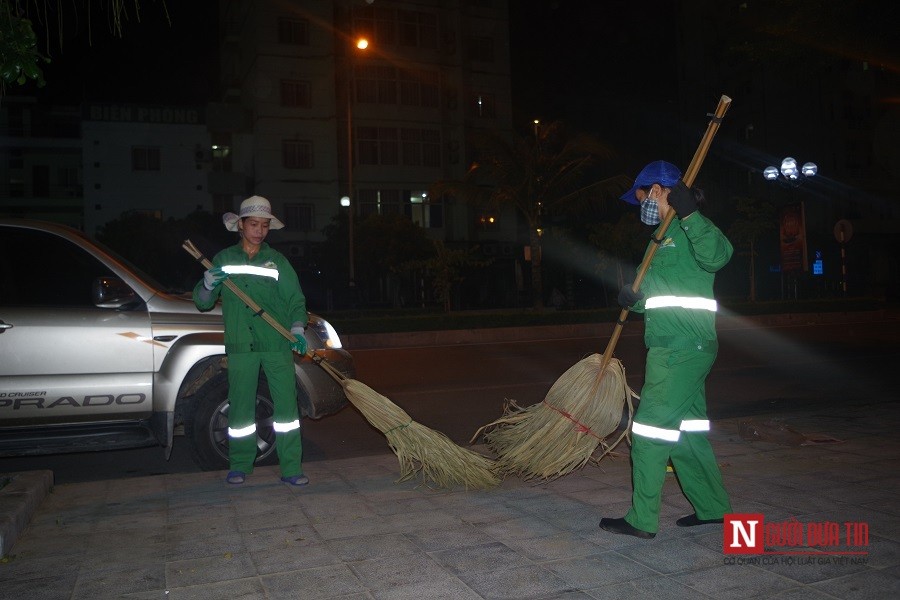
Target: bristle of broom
[(554, 437), (421, 450)]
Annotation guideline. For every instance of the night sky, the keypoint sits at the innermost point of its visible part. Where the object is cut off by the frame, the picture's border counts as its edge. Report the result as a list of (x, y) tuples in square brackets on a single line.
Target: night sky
[(586, 62), (555, 46), (153, 62)]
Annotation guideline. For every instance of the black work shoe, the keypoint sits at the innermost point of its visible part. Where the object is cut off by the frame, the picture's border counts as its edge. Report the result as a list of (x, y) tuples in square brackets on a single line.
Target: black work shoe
[(692, 521), (624, 527)]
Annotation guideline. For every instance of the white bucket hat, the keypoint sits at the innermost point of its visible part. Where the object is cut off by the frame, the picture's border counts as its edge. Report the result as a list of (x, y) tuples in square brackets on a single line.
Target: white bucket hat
[(254, 206)]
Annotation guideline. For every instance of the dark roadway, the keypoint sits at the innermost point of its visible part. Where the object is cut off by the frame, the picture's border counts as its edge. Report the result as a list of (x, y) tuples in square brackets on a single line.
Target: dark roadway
[(457, 389)]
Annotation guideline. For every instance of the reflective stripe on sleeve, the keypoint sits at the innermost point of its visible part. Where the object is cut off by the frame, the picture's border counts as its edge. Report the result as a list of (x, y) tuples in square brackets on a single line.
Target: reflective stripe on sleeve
[(695, 425), (657, 433), (239, 432), (285, 427), (681, 302), (251, 270)]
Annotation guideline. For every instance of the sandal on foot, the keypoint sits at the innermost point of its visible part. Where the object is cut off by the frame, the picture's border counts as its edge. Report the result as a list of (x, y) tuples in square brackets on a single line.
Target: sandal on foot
[(236, 477), (297, 480)]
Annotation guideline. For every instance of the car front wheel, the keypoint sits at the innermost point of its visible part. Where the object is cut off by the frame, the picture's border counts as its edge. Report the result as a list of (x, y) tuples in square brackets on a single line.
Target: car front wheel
[(206, 425)]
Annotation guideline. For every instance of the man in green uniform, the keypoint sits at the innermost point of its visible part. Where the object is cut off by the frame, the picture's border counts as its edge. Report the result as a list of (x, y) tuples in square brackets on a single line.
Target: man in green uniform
[(676, 297), (267, 277)]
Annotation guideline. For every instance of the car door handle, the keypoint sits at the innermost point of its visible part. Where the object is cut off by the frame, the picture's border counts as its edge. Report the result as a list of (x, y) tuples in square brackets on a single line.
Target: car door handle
[(4, 326)]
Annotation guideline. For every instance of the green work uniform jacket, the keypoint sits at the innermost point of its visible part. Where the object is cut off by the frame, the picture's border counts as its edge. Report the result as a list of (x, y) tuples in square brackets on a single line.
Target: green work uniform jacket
[(678, 304), (280, 297)]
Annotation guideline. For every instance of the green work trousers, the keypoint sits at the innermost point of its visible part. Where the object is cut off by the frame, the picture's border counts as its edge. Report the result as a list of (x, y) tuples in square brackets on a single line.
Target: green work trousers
[(243, 380), (674, 393)]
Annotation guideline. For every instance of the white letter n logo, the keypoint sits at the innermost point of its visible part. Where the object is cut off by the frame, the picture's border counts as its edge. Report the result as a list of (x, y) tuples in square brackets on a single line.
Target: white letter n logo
[(743, 534)]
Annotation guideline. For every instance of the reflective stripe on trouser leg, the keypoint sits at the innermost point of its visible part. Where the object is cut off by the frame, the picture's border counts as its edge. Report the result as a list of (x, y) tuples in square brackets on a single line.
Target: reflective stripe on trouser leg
[(672, 393), (279, 369), (699, 476), (243, 379)]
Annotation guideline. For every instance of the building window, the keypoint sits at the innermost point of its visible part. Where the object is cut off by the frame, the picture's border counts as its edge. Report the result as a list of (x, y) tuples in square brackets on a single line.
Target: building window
[(421, 147), (297, 154), (419, 88), (377, 145), (377, 23), (16, 158), (221, 152), (293, 31), (145, 158), (295, 93), (376, 85), (15, 124), (481, 49), (222, 203), (431, 148), (67, 177), (417, 29), (484, 106), (423, 210), (379, 202), (16, 187), (299, 217)]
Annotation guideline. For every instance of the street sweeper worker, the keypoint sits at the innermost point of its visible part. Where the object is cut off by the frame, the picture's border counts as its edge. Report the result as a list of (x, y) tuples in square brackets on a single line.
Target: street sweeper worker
[(676, 298), (267, 277)]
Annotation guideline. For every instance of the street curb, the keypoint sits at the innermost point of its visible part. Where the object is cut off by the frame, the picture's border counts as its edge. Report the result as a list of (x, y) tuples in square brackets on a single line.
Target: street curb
[(19, 499), (454, 337)]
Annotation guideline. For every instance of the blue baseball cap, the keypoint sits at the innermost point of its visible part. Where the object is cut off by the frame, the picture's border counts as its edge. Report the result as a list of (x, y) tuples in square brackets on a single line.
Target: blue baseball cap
[(659, 171)]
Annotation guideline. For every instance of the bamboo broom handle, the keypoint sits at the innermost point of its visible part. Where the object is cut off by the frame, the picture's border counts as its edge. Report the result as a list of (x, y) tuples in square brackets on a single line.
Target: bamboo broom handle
[(689, 176)]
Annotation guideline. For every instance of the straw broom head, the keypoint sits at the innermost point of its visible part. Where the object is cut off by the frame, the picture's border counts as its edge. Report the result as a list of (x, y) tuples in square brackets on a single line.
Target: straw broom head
[(421, 450), (554, 437)]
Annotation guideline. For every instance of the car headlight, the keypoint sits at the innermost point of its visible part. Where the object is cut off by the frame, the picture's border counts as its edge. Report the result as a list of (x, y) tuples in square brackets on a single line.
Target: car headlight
[(326, 333)]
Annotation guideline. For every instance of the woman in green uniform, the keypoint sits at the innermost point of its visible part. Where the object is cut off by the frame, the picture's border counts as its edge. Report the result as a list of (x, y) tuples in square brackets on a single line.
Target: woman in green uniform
[(676, 297), (265, 275)]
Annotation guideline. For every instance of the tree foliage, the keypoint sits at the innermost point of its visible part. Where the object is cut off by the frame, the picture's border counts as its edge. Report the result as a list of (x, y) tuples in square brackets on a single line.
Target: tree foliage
[(154, 245), (757, 218), (381, 244), (446, 269), (23, 23), (807, 32), (619, 248), (554, 172)]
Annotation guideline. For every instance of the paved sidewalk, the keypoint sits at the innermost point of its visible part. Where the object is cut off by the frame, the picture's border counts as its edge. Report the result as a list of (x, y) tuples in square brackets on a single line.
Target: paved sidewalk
[(356, 533)]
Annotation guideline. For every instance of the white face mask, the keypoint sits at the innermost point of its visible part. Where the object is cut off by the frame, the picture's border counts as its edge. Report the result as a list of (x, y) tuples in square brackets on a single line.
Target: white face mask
[(649, 211)]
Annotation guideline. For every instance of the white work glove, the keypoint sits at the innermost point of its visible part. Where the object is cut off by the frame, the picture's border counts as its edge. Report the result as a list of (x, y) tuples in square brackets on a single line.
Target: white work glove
[(213, 278), (299, 345)]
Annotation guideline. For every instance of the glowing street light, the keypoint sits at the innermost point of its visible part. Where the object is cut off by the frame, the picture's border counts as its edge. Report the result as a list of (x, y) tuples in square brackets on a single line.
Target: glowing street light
[(790, 171)]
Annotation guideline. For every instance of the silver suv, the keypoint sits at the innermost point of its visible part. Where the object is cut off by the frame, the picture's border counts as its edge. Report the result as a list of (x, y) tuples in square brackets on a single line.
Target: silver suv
[(94, 355)]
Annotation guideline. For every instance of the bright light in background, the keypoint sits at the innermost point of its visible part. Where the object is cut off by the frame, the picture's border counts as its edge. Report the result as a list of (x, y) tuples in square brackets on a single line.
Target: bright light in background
[(362, 43), (345, 201), (791, 171), (789, 168)]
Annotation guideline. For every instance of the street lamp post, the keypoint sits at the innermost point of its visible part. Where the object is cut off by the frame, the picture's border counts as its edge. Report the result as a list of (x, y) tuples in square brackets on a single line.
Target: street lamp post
[(793, 219), (361, 44)]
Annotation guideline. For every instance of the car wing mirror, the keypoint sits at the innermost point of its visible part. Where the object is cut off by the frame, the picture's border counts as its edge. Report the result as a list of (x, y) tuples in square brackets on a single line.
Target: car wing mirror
[(112, 292)]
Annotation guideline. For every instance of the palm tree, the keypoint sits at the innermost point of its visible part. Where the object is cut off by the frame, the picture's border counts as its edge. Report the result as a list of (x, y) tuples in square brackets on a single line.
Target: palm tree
[(553, 172)]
